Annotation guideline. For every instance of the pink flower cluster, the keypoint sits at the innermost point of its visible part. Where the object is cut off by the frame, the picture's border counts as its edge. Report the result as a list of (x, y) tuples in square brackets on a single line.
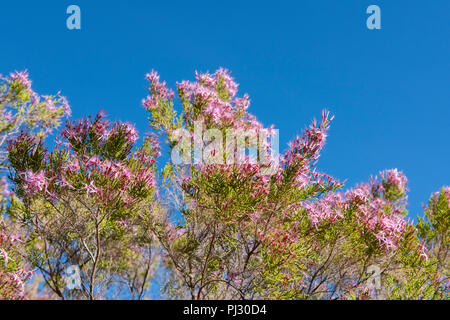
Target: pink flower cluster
[(159, 93), (212, 97), (297, 163), (445, 192), (54, 106), (118, 174), (395, 178), (35, 182), (57, 105), (27, 109), (215, 96), (21, 78), (79, 130), (387, 227), (330, 209), (305, 149), (130, 131), (99, 163), (12, 280), (382, 217), (7, 117)]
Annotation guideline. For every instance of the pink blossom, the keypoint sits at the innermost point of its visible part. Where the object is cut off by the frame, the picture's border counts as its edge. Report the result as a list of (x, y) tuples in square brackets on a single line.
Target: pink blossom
[(66, 107), (73, 166), (328, 209), (131, 132), (21, 77), (445, 192), (224, 75), (11, 282), (306, 148), (50, 104), (395, 178), (35, 182), (90, 188), (359, 195), (4, 256), (158, 91), (215, 96)]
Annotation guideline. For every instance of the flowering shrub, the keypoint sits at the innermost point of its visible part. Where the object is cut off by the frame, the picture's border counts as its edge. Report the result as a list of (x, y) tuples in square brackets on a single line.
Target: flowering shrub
[(13, 275), (291, 234), (23, 109), (223, 225), (80, 204)]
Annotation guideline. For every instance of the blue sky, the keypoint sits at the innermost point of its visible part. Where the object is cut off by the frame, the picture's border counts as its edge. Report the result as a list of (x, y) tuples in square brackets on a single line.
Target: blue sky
[(388, 88)]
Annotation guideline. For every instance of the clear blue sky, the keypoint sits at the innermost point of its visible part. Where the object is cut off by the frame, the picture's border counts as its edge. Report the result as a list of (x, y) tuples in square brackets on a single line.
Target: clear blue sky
[(388, 89)]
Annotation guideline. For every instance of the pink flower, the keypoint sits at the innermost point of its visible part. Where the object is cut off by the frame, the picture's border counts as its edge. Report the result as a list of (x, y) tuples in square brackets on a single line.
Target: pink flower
[(131, 132), (395, 178), (50, 104), (66, 107), (328, 209), (73, 166), (35, 182), (306, 148), (447, 193), (215, 96), (359, 195), (4, 256), (22, 78), (64, 183), (90, 188), (158, 91)]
